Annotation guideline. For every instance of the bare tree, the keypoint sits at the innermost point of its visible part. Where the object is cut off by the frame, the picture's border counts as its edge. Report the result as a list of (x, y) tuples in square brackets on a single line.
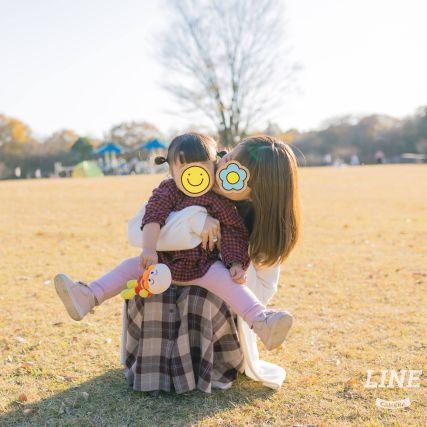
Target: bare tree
[(226, 60)]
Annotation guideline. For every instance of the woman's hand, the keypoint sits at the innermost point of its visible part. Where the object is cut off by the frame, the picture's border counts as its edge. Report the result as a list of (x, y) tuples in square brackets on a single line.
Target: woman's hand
[(148, 257), (211, 233)]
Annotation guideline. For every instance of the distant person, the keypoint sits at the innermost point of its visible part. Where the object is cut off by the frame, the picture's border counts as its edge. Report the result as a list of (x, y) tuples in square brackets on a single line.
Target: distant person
[(379, 156), (338, 162), (354, 161), (327, 159), (132, 165)]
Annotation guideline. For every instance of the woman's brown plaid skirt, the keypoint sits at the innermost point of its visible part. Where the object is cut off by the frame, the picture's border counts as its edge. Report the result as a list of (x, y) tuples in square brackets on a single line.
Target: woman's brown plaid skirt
[(181, 340)]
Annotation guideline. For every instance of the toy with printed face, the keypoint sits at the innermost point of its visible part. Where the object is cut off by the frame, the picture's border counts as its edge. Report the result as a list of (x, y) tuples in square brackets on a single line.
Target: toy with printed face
[(155, 280)]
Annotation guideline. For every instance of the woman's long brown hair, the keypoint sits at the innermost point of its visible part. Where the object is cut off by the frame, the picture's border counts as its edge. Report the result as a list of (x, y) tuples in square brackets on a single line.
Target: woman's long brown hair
[(275, 198)]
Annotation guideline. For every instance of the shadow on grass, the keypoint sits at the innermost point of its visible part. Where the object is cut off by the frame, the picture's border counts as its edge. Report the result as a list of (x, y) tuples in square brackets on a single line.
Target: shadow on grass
[(110, 401)]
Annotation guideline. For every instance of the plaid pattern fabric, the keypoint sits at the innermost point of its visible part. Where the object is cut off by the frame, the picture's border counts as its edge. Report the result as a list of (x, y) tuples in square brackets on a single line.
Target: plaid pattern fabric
[(194, 263), (180, 340)]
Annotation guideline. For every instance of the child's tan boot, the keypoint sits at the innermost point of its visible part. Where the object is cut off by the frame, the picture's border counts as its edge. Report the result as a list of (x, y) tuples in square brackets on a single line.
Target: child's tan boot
[(272, 327), (77, 298)]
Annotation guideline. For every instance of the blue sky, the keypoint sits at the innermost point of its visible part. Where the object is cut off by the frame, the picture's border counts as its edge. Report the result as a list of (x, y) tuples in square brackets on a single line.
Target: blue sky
[(87, 65)]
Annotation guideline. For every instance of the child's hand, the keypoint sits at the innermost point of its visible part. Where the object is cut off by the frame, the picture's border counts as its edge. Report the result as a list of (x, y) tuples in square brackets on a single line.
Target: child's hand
[(237, 273), (148, 257)]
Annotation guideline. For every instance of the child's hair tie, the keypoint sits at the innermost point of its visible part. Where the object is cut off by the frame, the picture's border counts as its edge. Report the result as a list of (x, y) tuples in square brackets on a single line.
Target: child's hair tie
[(160, 160), (221, 154)]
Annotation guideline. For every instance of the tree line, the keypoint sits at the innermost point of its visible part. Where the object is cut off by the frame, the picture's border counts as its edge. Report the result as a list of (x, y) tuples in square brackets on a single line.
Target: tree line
[(348, 136), (19, 148), (340, 138)]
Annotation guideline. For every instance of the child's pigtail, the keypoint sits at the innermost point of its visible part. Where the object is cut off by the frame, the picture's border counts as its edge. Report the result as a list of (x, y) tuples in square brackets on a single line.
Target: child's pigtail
[(160, 160)]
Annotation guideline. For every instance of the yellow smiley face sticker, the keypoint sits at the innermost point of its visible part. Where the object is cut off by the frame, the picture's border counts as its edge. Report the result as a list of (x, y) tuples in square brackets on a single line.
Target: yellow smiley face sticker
[(195, 180)]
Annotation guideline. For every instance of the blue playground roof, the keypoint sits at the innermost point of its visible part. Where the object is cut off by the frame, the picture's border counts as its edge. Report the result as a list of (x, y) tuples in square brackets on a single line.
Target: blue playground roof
[(110, 147), (154, 144)]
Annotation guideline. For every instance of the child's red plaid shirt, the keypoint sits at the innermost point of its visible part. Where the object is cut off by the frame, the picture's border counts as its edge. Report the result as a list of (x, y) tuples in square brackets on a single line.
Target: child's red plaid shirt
[(193, 263)]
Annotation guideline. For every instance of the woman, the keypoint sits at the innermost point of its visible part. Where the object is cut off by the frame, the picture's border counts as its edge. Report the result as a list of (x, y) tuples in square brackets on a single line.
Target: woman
[(186, 338)]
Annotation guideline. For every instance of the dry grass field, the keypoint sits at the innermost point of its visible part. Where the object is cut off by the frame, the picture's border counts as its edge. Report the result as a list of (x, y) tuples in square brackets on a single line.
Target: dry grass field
[(356, 285)]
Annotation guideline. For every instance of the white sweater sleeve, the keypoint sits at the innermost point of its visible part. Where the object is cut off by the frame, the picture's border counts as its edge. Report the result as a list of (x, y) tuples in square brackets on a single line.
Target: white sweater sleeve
[(181, 231), (263, 281)]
